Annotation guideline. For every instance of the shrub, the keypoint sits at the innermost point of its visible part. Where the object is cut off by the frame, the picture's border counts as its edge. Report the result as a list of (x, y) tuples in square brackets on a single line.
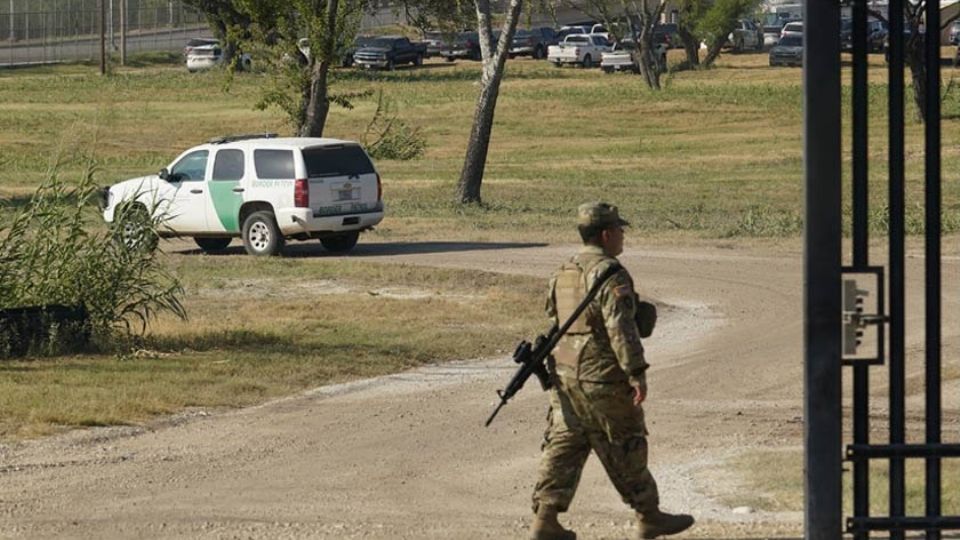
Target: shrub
[(52, 253)]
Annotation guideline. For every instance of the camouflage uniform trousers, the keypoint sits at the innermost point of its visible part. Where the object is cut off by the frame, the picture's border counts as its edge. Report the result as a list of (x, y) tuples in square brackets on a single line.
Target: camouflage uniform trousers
[(601, 417)]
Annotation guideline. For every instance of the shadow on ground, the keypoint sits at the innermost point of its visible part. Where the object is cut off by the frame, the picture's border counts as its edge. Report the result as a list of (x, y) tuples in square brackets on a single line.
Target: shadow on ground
[(314, 249)]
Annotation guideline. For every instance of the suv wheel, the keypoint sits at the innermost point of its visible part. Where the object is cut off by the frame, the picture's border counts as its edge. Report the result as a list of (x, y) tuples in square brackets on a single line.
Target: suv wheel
[(261, 236), (539, 53), (340, 243), (391, 65), (212, 244), (418, 61), (587, 62), (135, 228)]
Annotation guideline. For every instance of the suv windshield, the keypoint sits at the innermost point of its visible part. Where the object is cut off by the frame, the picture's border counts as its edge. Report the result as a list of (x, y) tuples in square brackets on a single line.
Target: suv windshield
[(336, 161)]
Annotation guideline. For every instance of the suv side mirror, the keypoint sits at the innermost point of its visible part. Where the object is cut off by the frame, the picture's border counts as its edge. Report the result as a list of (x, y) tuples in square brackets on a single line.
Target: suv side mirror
[(164, 174)]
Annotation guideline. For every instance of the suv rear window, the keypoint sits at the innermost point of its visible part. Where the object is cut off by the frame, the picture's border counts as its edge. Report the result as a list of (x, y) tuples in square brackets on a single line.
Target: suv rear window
[(336, 161), (274, 164)]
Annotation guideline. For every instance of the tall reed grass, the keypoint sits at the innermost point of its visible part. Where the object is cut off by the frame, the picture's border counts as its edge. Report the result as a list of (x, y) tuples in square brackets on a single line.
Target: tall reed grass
[(55, 250)]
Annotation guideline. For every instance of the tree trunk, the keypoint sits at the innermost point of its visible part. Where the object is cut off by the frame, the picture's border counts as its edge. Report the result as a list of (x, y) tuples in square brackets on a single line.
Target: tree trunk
[(650, 65), (690, 46), (914, 57), (494, 65), (318, 104), (713, 52)]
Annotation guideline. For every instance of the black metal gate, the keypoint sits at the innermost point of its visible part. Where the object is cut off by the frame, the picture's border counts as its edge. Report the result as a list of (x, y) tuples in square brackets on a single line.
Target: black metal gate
[(847, 322)]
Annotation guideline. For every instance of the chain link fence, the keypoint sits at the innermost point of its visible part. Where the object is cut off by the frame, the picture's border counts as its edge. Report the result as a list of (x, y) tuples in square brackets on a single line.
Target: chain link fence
[(48, 31)]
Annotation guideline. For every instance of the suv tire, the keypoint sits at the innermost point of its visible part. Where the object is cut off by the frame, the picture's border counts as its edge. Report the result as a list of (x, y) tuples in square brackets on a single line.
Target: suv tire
[(212, 244), (135, 229), (587, 62), (261, 235), (340, 243)]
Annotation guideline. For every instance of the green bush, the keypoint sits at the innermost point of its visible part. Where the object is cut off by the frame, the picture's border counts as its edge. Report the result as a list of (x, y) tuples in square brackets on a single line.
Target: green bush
[(55, 251)]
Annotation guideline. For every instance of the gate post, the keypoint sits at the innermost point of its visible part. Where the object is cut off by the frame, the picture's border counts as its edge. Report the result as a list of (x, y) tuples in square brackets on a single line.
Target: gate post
[(822, 265)]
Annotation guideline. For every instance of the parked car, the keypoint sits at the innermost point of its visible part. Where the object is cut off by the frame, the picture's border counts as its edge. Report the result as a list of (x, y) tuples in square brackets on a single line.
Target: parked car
[(625, 55), (262, 189), (533, 42), (876, 35), (203, 57), (771, 32), (435, 42), (464, 45), (789, 52), (746, 35), (197, 42), (388, 52), (792, 28), (347, 53), (582, 49), (570, 30), (668, 34)]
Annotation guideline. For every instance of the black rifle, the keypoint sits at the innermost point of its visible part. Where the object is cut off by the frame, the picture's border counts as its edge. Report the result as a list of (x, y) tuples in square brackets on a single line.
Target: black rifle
[(533, 358)]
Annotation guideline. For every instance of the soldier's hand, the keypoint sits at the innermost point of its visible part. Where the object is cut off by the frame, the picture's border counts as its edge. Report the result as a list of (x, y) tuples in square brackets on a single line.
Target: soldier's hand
[(639, 395)]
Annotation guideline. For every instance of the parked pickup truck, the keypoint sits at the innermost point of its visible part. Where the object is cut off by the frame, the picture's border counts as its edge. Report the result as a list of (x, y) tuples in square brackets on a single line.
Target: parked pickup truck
[(260, 188), (625, 56), (388, 52), (582, 49)]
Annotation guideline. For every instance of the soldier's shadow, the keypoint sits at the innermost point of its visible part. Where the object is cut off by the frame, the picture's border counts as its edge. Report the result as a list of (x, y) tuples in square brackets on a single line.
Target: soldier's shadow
[(375, 249)]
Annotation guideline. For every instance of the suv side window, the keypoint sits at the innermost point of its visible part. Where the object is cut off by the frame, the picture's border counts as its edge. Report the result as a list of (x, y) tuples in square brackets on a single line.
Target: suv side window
[(192, 166), (228, 165), (274, 164)]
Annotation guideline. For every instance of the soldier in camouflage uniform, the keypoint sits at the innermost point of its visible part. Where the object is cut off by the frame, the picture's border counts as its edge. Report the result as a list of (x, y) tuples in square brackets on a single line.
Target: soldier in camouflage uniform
[(600, 383)]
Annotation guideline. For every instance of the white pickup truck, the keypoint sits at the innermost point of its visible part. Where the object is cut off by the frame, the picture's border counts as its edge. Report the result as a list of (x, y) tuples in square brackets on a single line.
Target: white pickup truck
[(582, 49), (625, 56), (258, 187)]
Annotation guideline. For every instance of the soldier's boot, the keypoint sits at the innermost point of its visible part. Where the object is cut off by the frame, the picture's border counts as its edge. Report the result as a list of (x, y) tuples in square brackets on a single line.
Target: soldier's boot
[(656, 523), (546, 527)]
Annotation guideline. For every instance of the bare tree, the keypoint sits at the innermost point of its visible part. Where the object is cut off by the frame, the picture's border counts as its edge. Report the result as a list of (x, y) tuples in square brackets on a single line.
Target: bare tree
[(636, 19), (494, 58), (913, 48), (302, 82)]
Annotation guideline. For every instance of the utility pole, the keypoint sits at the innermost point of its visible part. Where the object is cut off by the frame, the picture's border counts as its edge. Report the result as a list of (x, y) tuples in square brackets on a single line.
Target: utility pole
[(123, 32), (13, 34), (102, 24), (113, 43)]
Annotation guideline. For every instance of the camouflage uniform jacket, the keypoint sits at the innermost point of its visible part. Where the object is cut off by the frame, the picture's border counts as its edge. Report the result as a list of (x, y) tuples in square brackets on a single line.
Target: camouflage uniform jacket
[(604, 344)]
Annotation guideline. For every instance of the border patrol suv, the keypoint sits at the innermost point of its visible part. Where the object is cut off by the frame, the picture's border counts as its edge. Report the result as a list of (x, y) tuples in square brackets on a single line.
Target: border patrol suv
[(261, 188)]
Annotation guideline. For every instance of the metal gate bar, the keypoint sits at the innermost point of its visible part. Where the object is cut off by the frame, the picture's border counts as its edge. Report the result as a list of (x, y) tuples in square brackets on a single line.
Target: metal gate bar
[(932, 260), (897, 204), (823, 425), (861, 234)]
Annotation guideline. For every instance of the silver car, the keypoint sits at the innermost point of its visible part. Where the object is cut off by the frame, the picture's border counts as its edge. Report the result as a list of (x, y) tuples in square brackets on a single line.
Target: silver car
[(789, 52)]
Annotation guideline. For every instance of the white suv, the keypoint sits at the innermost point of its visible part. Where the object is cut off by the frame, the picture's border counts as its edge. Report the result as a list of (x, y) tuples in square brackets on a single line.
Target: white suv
[(261, 188)]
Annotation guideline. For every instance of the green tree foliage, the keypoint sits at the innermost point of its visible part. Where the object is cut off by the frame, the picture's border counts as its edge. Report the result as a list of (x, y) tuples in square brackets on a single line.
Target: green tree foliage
[(718, 20), (301, 40)]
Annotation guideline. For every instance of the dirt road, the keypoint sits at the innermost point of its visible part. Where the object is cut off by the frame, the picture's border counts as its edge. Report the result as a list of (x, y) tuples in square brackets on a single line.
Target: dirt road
[(407, 456)]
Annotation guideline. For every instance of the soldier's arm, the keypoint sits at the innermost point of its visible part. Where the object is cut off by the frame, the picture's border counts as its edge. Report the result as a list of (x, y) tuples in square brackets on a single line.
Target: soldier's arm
[(618, 304), (551, 305)]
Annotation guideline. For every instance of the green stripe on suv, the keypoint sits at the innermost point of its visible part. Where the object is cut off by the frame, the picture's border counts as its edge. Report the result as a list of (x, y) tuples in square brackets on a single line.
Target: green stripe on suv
[(227, 203)]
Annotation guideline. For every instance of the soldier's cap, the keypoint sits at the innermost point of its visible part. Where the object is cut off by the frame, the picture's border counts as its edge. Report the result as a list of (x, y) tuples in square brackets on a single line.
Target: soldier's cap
[(600, 214)]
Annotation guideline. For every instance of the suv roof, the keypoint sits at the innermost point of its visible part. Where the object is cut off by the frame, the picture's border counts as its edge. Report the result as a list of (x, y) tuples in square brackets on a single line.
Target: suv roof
[(274, 141)]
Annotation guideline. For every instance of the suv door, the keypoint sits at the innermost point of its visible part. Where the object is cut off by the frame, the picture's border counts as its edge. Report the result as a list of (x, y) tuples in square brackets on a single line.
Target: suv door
[(226, 191), (187, 211)]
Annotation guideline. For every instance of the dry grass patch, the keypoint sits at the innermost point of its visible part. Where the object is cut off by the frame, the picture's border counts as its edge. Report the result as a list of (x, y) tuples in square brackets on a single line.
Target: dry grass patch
[(772, 480), (262, 328)]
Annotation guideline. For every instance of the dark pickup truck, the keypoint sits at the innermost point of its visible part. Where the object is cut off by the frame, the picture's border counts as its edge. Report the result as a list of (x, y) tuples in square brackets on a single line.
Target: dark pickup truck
[(387, 52)]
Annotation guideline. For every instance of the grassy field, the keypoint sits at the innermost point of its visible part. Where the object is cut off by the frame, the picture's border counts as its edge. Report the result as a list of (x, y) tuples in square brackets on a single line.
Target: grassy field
[(717, 153)]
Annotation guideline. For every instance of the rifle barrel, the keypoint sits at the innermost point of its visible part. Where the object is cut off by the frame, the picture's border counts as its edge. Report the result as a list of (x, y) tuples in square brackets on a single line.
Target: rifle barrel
[(495, 411)]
